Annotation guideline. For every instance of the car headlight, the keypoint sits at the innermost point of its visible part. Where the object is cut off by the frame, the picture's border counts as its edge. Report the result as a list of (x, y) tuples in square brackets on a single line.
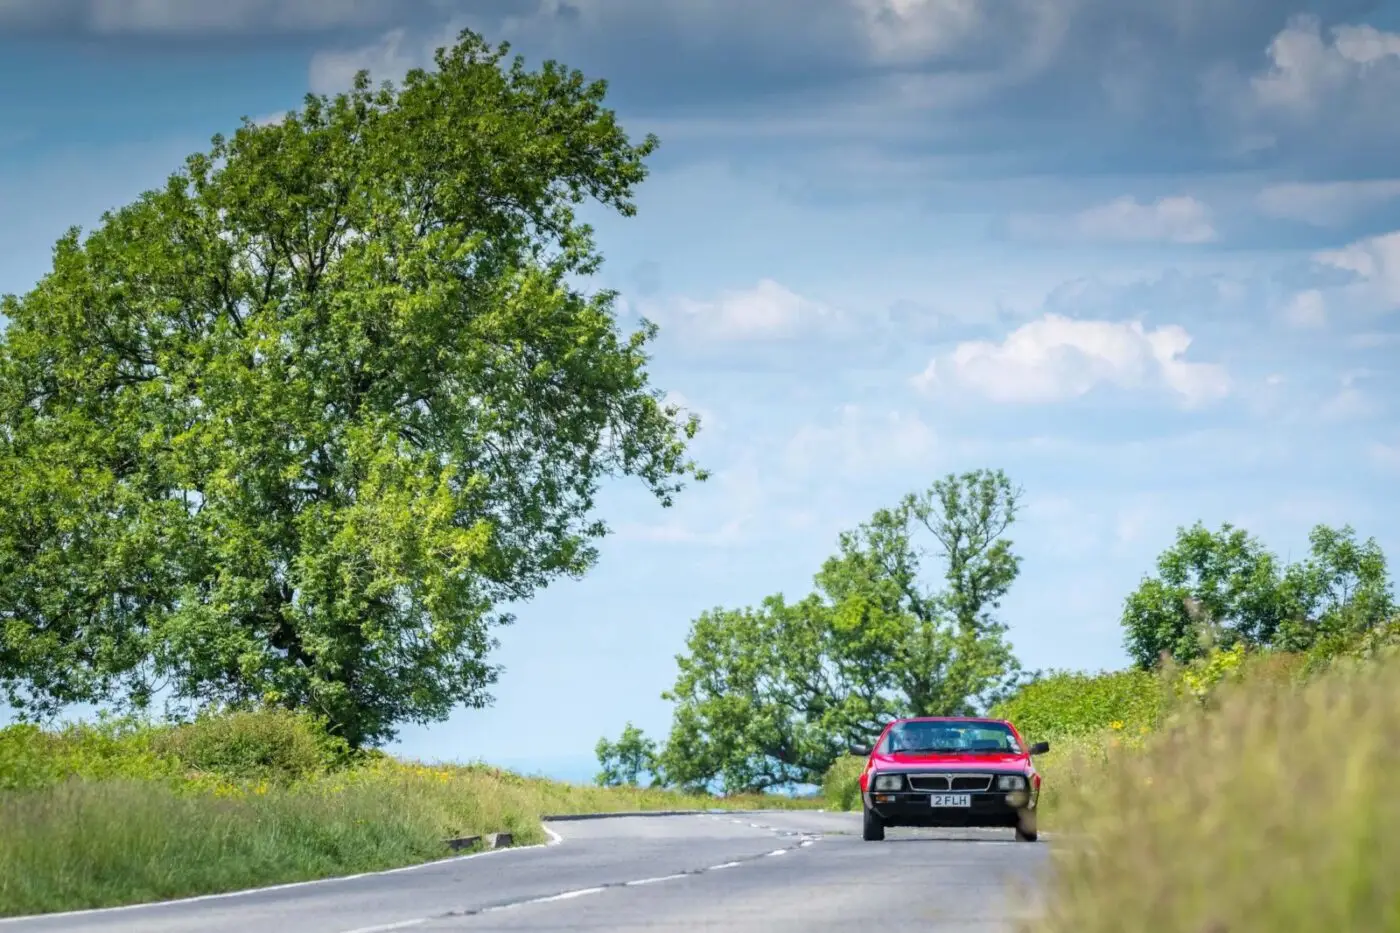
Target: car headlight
[(1011, 782), (889, 782)]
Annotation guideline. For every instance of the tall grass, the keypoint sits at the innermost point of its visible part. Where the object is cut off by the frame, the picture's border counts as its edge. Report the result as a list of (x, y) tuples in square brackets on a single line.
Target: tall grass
[(1271, 808), (841, 783), (119, 813)]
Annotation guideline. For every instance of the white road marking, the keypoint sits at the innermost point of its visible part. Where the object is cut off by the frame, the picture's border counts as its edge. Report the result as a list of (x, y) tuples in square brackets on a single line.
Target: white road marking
[(386, 927), (554, 839), (566, 896), (657, 880)]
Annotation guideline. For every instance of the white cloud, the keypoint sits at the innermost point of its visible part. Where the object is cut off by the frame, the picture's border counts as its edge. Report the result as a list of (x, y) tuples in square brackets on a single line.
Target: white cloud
[(767, 311), (1178, 219), (388, 58), (1326, 204), (909, 30), (1376, 264), (1056, 358), (861, 442), (1306, 310), (1307, 69)]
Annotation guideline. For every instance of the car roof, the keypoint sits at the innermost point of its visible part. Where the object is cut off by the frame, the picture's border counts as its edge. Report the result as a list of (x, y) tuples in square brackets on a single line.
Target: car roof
[(1000, 722)]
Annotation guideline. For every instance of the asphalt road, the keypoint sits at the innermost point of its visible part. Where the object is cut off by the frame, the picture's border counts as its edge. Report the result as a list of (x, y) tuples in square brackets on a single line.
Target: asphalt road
[(764, 872)]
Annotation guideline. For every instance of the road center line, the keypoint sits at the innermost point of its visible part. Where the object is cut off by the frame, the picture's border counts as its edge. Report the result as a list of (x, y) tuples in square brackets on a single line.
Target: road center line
[(803, 840), (387, 927)]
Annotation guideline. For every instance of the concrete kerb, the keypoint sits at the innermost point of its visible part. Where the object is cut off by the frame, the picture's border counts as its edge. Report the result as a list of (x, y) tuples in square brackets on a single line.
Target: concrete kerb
[(487, 842)]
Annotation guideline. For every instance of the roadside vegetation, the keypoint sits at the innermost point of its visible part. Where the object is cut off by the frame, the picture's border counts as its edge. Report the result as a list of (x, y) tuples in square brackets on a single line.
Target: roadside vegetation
[(293, 431), (1241, 783), (1250, 790), (1268, 810), (120, 812)]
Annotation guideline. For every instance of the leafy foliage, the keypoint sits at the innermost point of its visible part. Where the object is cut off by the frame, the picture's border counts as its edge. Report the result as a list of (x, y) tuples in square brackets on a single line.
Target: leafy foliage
[(292, 428), (770, 696), (270, 745), (1210, 587), (276, 745), (1066, 703), (31, 758), (625, 761), (1224, 588), (1340, 592)]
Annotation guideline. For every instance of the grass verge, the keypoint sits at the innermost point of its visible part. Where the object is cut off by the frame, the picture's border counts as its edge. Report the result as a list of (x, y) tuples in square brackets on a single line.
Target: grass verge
[(104, 817), (1272, 811)]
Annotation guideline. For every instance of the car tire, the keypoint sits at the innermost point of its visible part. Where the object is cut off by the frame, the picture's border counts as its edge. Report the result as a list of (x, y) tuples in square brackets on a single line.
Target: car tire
[(873, 828), (1026, 829)]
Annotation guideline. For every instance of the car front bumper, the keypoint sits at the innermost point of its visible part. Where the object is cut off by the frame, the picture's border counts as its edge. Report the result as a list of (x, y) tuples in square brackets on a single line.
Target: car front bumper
[(989, 808)]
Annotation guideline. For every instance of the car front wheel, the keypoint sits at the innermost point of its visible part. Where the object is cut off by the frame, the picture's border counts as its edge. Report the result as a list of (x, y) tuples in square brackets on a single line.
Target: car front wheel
[(1025, 828), (874, 827)]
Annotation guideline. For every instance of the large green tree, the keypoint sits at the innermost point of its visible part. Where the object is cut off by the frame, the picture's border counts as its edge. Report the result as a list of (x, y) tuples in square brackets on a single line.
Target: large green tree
[(298, 426), (770, 696)]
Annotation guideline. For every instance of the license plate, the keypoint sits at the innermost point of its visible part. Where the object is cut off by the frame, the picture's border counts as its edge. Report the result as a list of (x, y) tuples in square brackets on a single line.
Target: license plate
[(950, 800)]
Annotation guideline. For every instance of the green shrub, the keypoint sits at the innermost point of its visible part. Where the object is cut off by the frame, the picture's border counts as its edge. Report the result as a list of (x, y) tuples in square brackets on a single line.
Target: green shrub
[(109, 749), (272, 744), (841, 783), (1066, 703)]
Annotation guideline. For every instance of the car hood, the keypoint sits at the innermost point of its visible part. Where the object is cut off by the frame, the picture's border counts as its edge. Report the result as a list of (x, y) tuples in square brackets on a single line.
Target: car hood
[(906, 761)]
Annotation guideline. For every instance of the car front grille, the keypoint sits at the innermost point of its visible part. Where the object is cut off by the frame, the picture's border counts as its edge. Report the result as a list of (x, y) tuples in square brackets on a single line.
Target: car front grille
[(938, 783)]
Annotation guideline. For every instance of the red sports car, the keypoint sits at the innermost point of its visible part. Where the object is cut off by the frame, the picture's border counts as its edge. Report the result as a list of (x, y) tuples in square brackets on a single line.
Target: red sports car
[(950, 771)]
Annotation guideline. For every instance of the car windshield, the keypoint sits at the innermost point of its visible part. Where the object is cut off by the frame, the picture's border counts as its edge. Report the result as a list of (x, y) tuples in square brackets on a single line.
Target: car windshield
[(960, 737)]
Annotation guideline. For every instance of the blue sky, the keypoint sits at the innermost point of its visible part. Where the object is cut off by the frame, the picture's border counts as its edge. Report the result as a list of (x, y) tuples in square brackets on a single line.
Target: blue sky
[(1143, 256)]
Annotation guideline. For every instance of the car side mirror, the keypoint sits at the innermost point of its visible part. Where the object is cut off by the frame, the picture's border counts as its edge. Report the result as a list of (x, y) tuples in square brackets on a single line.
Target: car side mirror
[(1039, 748), (860, 751)]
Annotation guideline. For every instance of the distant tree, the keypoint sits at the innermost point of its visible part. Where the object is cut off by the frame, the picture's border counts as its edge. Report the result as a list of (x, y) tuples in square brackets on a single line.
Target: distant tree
[(292, 428), (1211, 588), (770, 696), (625, 761), (1224, 588), (1341, 591)]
